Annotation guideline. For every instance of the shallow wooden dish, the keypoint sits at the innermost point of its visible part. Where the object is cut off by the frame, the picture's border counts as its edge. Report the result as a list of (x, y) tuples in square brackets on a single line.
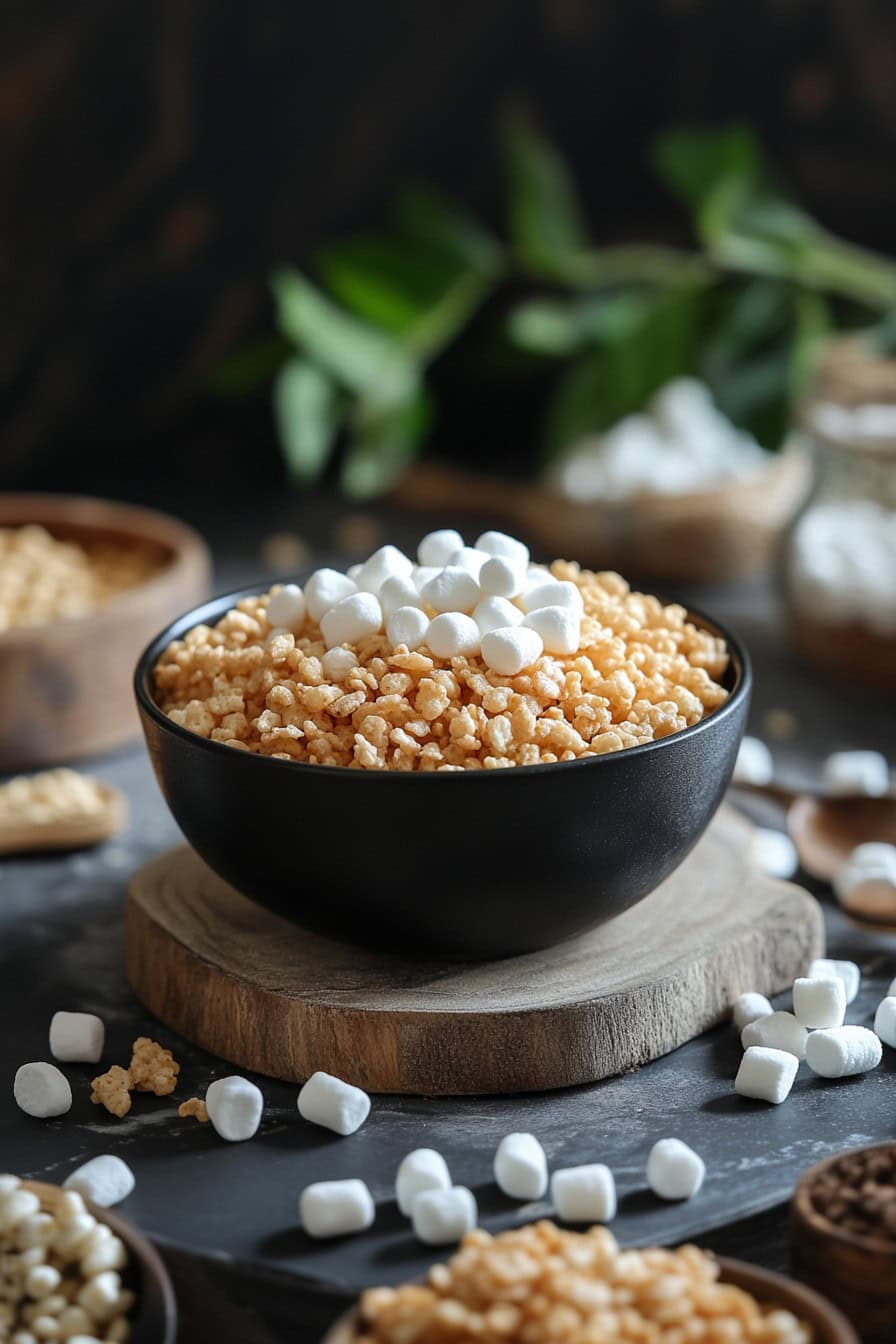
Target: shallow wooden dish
[(830, 1326), (154, 1318), (65, 686), (858, 1273)]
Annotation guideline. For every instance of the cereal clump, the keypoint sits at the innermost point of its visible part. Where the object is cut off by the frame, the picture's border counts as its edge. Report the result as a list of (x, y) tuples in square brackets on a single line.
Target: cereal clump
[(49, 796), (152, 1069), (544, 1285), (194, 1107), (112, 1090), (641, 672)]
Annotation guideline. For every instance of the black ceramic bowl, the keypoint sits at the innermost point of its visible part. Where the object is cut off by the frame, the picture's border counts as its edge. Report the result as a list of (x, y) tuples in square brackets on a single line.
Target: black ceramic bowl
[(476, 864)]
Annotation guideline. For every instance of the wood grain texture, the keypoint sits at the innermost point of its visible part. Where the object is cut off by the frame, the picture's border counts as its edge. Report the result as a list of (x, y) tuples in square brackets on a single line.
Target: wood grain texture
[(271, 997)]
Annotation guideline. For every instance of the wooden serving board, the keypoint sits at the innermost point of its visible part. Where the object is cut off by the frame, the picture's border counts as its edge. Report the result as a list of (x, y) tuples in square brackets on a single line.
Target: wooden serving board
[(273, 998)]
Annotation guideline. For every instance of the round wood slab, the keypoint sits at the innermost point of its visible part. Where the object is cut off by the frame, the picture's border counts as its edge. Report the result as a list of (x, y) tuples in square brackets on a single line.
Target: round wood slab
[(273, 998)]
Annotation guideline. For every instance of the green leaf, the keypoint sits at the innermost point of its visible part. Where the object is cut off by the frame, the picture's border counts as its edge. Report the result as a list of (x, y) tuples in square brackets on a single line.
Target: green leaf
[(425, 216), (695, 162), (558, 327), (307, 416), (382, 280), (883, 337), (382, 443), (248, 368), (812, 325), (750, 312), (546, 220)]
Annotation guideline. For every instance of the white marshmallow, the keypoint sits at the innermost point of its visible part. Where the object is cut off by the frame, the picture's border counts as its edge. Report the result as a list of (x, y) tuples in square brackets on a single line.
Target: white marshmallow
[(328, 1101), (674, 1171), (499, 543), (778, 1031), (77, 1038), (41, 1090), (384, 564), (856, 772), (775, 852), (749, 1008), (104, 1180), (353, 571), (286, 608), (496, 613), (470, 559), (847, 971), (336, 1208), (408, 626), (324, 589), (453, 634), (234, 1107), (437, 548), (421, 575), (874, 862), (560, 628), (337, 663), (443, 1216), (512, 649), (754, 764), (15, 1207), (839, 1052), (423, 1169), (819, 1002), (885, 1020), (584, 1194), (500, 577), (892, 989), (452, 589), (398, 592), (556, 593), (766, 1074), (352, 619), (521, 1168)]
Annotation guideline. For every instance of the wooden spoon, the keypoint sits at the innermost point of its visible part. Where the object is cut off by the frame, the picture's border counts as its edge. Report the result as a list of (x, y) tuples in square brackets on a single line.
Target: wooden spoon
[(66, 829)]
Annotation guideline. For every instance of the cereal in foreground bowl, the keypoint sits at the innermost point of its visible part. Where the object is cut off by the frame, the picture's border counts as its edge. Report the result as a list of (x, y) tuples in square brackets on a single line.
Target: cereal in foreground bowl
[(473, 658)]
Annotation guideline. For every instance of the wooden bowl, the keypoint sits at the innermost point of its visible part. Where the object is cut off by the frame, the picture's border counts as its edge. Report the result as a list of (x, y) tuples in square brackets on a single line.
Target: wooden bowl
[(829, 1325), (856, 1272), (65, 690), (154, 1318)]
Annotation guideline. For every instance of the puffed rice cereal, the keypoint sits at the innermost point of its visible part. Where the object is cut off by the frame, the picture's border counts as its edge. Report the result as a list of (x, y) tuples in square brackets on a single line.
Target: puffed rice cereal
[(195, 1107), (152, 1069)]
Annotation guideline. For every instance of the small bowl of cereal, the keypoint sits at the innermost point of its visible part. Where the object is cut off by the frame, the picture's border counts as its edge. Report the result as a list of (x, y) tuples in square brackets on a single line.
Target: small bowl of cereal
[(471, 755)]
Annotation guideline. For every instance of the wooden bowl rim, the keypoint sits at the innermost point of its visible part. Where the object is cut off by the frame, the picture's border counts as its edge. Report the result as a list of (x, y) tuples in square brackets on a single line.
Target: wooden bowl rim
[(805, 1212)]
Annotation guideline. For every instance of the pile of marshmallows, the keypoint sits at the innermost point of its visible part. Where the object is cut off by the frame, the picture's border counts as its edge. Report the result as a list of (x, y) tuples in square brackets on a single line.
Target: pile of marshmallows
[(775, 1043), (458, 600)]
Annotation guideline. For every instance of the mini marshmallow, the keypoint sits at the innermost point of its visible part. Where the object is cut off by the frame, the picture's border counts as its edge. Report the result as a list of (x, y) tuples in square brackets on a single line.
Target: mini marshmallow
[(556, 593), (77, 1038), (754, 764), (41, 1090), (421, 575), (337, 663), (496, 613), (385, 563), (885, 1020), (352, 619), (766, 1074), (440, 1217), (775, 852), (452, 589), (856, 772), (104, 1180), (336, 1208), (874, 862), (559, 627), (584, 1194), (353, 571), (453, 634), (521, 1168), (234, 1107), (847, 971), (839, 1052), (16, 1206), (286, 608), (328, 1101), (749, 1008), (499, 543), (512, 649), (324, 589), (408, 626), (437, 548), (779, 1031), (674, 1171), (819, 1002), (423, 1169), (398, 592), (500, 577), (470, 559)]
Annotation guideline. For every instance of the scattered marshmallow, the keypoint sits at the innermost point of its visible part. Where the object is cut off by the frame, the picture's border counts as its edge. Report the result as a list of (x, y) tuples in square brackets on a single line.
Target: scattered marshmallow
[(408, 626), (754, 764), (778, 1031), (512, 649), (469, 558), (885, 1020), (499, 543), (286, 608), (555, 593), (324, 589), (521, 1168), (839, 1052), (336, 1208), (440, 1217), (41, 1090), (766, 1074), (423, 1169), (749, 1008), (819, 1002), (500, 577), (77, 1038), (352, 619), (871, 863), (328, 1101), (775, 852), (847, 971), (384, 564), (584, 1194), (337, 663), (452, 589), (674, 1171), (856, 772), (496, 613), (234, 1107), (559, 627), (104, 1180), (399, 591), (437, 548), (453, 634)]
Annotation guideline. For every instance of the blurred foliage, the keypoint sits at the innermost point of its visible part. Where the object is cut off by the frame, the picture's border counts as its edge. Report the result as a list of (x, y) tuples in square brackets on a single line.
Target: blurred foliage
[(746, 309)]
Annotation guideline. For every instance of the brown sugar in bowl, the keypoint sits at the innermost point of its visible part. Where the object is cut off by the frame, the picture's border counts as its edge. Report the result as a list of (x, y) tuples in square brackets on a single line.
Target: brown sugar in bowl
[(65, 688)]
